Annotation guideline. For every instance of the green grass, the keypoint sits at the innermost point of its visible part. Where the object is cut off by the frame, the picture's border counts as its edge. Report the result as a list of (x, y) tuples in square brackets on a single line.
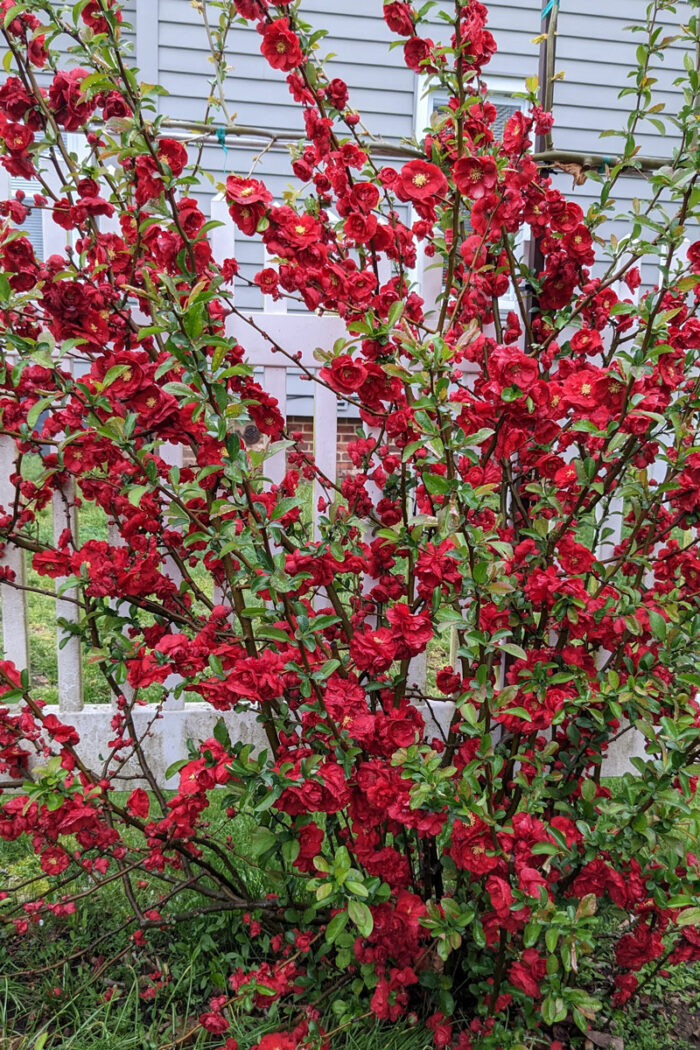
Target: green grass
[(667, 1014)]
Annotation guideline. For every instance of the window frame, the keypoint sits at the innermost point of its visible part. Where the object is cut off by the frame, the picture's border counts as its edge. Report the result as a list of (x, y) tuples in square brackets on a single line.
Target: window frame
[(501, 90)]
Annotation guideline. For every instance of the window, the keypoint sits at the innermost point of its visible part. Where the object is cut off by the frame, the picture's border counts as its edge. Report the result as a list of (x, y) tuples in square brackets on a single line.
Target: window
[(501, 95), (45, 236), (33, 225)]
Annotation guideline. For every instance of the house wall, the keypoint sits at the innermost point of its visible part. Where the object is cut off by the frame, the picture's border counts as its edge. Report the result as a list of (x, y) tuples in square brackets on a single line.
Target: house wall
[(595, 52)]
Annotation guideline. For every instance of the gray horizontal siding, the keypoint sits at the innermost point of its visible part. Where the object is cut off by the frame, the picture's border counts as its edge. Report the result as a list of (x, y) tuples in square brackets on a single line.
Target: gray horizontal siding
[(380, 85), (595, 51)]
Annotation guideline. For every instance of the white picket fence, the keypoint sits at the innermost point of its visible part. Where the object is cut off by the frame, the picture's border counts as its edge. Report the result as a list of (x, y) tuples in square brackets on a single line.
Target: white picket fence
[(164, 731)]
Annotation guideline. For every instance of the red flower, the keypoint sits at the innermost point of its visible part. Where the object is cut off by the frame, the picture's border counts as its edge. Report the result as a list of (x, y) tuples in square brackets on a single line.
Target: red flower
[(579, 245), (414, 631), (280, 46), (441, 1029), (416, 53), (214, 1023), (69, 106), (469, 846), (693, 256), (172, 153), (527, 974), (93, 17), (475, 177), (277, 1041), (573, 557), (635, 949), (586, 341), (344, 375), (251, 8), (500, 895), (54, 860), (398, 17), (337, 93), (510, 367), (326, 793), (61, 733), (310, 843), (419, 181), (17, 104), (247, 200), (373, 650), (626, 985), (265, 413), (515, 138), (138, 803)]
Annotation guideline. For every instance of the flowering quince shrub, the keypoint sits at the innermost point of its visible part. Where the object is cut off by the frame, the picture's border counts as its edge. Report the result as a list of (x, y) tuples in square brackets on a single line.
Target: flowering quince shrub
[(465, 879)]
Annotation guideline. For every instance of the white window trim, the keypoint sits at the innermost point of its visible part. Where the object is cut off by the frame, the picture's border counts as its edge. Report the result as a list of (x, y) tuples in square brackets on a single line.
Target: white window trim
[(500, 89), (54, 238)]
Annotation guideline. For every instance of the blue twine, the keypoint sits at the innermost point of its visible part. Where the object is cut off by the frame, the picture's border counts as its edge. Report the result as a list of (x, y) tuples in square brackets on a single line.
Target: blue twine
[(550, 6), (221, 136)]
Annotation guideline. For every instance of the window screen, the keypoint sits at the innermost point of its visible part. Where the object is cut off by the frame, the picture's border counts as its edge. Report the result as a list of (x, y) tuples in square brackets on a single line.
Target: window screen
[(33, 225)]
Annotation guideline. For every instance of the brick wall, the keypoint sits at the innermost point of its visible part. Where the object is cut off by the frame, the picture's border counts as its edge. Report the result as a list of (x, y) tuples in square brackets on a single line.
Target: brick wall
[(347, 432)]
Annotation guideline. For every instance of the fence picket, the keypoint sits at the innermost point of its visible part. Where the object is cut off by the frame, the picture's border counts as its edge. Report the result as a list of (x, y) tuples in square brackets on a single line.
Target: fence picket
[(172, 454), (325, 441), (15, 632), (70, 672), (275, 384)]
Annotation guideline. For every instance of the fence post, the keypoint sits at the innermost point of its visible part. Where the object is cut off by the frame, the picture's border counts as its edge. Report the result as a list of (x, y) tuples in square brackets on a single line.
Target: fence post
[(70, 672), (275, 384), (15, 633), (172, 454), (430, 286), (222, 238), (429, 277), (325, 441)]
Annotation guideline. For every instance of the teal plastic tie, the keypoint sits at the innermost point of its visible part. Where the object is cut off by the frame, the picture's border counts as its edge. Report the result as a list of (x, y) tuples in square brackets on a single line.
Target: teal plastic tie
[(550, 7), (221, 136)]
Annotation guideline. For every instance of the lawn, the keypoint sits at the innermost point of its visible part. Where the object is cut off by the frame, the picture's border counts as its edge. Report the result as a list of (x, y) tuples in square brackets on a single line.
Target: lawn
[(80, 983)]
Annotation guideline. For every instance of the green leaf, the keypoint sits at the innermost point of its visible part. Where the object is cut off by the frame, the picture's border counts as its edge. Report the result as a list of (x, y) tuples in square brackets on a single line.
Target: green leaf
[(395, 312), (513, 650), (658, 624), (114, 373), (517, 712), (689, 917), (136, 494), (176, 767), (436, 484), (357, 888), (221, 733), (35, 411), (362, 917), (262, 840), (550, 938), (336, 926)]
